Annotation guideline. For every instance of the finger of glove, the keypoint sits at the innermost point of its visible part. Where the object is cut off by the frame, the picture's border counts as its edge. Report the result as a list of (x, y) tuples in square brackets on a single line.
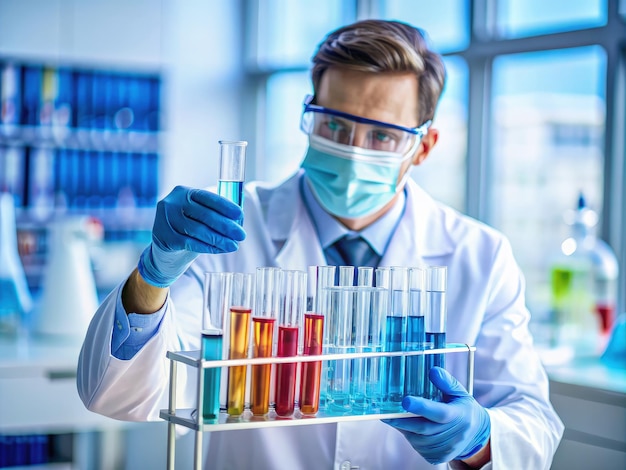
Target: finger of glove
[(176, 219), (417, 426), (435, 411), (217, 222), (446, 382), (215, 202), (198, 237)]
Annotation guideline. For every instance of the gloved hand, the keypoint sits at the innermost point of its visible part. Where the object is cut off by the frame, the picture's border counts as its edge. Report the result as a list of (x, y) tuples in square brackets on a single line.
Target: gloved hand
[(454, 429), (188, 222)]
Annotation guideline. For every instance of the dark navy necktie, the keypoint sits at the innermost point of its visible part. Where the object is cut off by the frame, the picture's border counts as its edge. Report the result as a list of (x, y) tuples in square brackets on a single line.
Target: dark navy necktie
[(355, 251)]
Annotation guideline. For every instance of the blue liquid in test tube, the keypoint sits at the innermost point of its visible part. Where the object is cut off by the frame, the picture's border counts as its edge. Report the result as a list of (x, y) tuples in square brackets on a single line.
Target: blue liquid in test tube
[(435, 324), (415, 336), (232, 190), (232, 170), (393, 367)]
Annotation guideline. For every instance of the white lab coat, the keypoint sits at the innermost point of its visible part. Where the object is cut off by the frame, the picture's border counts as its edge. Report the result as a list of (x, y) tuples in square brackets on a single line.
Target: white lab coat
[(486, 308)]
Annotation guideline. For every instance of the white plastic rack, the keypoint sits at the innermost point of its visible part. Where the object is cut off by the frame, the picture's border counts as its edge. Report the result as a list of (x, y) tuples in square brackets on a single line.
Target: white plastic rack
[(191, 419)]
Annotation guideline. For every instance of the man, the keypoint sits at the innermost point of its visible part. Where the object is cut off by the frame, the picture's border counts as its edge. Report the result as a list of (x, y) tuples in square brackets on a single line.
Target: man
[(376, 87)]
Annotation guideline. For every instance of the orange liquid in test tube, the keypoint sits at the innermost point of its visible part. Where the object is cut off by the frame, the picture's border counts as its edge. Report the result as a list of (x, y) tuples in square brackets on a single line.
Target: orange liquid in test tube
[(311, 371), (239, 334), (263, 333)]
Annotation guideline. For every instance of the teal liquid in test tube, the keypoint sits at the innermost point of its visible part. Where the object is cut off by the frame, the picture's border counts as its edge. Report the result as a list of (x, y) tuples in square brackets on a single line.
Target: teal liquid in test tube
[(216, 291), (232, 170)]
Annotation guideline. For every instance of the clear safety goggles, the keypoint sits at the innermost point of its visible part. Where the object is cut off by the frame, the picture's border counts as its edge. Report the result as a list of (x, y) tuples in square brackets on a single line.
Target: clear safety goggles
[(357, 131)]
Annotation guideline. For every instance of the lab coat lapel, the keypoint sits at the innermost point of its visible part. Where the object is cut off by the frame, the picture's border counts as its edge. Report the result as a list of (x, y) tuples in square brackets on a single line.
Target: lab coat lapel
[(421, 235), (291, 229)]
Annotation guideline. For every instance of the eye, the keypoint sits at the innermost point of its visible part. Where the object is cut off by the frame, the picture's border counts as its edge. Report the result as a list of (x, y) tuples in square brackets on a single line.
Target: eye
[(333, 125), (382, 136)]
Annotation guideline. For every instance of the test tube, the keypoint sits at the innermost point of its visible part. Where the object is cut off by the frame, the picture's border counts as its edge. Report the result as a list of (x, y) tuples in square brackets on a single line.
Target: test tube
[(325, 279), (435, 323), (365, 275), (393, 367), (361, 329), (313, 338), (342, 304), (263, 320), (216, 292), (415, 337), (240, 311), (292, 305), (346, 276), (232, 170)]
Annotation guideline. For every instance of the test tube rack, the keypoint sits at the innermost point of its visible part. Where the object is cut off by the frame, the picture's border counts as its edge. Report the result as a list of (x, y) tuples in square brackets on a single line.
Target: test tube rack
[(192, 419)]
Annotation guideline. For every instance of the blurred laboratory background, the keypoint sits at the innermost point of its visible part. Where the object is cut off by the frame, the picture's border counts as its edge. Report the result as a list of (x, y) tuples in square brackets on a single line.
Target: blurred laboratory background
[(106, 105)]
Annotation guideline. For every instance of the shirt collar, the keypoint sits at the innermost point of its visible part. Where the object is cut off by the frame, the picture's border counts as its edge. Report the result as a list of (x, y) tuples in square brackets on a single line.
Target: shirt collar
[(329, 229)]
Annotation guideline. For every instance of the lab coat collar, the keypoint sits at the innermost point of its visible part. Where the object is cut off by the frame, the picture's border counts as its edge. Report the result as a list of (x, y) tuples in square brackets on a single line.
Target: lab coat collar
[(422, 232)]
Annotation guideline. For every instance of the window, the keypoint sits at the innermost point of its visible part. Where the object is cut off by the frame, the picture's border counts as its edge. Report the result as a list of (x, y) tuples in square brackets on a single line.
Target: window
[(519, 18), (548, 120), (526, 119)]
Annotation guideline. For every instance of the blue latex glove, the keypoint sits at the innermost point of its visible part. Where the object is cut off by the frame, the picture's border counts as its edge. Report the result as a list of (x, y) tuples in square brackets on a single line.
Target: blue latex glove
[(188, 222), (454, 429)]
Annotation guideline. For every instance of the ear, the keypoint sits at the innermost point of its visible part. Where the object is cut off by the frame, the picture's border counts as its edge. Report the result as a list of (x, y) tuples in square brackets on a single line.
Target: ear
[(426, 145)]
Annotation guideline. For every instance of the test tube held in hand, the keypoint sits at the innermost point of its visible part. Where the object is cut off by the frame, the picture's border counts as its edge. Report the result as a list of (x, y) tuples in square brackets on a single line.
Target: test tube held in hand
[(240, 309), (214, 313), (435, 324), (232, 170), (263, 321), (292, 306)]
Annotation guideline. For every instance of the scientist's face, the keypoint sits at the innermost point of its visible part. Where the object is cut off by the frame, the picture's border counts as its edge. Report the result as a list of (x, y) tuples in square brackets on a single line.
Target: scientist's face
[(386, 97)]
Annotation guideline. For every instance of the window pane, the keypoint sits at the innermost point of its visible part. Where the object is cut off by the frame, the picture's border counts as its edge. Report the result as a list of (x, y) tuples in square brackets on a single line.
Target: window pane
[(518, 18), (548, 127), (445, 21), (285, 143), (448, 158), (289, 32)]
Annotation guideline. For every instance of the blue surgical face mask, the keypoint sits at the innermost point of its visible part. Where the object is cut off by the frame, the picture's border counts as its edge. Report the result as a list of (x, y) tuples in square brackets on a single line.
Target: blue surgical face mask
[(352, 182)]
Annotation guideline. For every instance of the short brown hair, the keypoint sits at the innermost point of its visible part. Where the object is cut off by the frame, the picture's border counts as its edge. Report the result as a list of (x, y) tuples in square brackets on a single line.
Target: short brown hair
[(384, 46)]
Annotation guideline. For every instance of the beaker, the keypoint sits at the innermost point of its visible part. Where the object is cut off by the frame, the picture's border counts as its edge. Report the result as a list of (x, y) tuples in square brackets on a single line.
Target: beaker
[(263, 320), (232, 170), (240, 306)]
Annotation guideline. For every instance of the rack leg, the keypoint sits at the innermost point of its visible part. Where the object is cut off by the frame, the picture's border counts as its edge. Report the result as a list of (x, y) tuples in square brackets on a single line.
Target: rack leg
[(171, 427), (197, 465)]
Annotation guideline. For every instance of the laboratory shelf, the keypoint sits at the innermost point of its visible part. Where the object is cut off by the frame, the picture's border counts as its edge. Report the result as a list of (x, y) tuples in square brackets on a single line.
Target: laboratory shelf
[(189, 417)]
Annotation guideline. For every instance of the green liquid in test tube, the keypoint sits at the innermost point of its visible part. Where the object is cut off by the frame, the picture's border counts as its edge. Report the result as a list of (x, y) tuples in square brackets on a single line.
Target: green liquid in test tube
[(232, 170)]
